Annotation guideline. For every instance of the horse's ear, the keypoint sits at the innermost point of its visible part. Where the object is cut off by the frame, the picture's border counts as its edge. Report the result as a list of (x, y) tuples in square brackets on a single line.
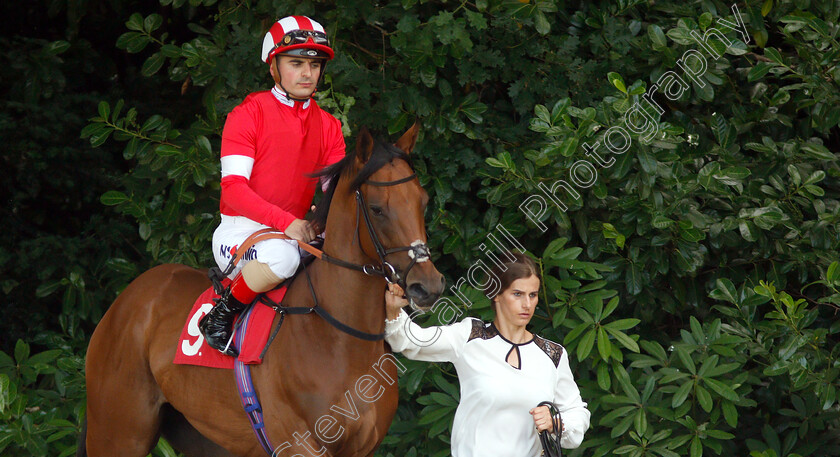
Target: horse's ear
[(408, 139), (364, 145)]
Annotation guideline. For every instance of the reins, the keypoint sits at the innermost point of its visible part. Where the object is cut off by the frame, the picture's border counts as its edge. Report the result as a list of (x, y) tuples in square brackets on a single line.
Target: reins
[(417, 251)]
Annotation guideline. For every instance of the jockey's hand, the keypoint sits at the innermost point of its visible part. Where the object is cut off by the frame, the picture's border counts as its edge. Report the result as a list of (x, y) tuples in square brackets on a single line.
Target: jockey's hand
[(301, 230), (394, 301)]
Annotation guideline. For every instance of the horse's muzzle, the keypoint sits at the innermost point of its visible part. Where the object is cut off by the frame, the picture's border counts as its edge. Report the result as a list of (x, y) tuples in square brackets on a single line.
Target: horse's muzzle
[(424, 293)]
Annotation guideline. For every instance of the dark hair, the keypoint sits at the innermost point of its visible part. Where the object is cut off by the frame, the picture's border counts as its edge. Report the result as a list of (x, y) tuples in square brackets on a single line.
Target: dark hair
[(514, 266)]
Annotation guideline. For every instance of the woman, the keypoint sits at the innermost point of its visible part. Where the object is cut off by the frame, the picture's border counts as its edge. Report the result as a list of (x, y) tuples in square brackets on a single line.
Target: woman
[(504, 370)]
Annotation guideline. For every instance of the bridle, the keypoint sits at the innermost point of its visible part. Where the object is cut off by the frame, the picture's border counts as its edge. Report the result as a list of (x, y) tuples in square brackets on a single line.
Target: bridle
[(417, 251)]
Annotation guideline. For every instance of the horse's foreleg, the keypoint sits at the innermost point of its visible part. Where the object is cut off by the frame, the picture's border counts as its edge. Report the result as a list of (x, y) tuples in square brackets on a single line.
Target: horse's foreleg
[(123, 404), (122, 419), (185, 438)]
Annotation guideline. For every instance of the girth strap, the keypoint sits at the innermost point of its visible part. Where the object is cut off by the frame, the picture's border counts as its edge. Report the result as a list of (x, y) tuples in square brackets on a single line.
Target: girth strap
[(247, 393), (283, 310)]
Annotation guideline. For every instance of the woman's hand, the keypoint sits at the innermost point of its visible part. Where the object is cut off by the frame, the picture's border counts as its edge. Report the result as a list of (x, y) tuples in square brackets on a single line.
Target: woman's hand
[(542, 419), (394, 301)]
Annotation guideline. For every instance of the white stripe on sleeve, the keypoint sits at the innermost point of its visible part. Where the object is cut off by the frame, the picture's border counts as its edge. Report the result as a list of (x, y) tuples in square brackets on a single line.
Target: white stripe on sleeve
[(237, 165)]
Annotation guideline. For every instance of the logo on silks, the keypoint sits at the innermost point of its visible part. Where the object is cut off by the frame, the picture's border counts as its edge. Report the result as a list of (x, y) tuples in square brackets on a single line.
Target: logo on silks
[(311, 52), (229, 251)]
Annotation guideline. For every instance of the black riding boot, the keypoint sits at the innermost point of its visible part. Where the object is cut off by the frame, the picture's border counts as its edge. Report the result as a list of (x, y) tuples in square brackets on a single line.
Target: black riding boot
[(217, 325)]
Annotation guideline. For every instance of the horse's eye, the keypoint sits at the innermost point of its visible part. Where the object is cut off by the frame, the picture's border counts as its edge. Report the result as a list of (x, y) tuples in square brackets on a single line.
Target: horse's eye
[(377, 211)]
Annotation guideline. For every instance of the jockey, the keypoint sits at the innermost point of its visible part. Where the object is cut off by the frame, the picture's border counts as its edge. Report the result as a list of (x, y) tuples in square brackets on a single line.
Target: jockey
[(271, 143)]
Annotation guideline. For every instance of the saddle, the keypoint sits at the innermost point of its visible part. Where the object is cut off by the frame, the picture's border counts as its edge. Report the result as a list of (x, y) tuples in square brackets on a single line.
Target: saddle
[(255, 321)]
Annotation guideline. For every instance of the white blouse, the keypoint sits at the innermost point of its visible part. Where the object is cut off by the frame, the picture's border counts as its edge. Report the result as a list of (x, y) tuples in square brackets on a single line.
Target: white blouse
[(492, 418)]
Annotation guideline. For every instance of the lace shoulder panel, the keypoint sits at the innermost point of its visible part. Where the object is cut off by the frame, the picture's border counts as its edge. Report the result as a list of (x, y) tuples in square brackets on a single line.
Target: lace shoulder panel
[(482, 330), (553, 350)]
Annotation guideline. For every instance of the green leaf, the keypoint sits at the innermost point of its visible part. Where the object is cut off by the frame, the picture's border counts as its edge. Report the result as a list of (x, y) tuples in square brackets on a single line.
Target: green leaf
[(748, 230), (21, 352), (57, 47), (153, 64), (730, 413), (704, 398), (696, 447), (101, 136), (572, 335), (733, 175), (657, 37), (818, 151), (428, 75), (568, 146), (766, 8), (647, 160), (145, 231), (623, 339), (686, 359), (815, 190), (604, 345), (633, 279), (554, 248), (681, 394), (617, 81), (152, 22), (104, 110), (170, 50), (135, 22), (443, 399), (585, 345), (705, 20), (4, 395), (623, 324), (832, 275), (152, 123), (541, 23), (758, 71), (569, 253), (723, 131), (625, 382), (720, 434), (774, 55), (722, 389), (725, 291), (204, 145), (44, 357), (167, 150), (542, 113)]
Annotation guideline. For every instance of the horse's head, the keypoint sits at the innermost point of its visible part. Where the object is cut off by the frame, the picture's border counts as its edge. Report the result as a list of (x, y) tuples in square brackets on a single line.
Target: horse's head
[(388, 213)]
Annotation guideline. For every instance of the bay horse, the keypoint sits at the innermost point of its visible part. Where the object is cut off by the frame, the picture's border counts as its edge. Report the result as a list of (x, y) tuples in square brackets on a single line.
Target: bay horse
[(309, 380)]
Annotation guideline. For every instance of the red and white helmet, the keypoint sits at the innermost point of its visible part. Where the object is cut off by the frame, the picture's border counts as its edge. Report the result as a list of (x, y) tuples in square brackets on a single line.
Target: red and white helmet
[(296, 35)]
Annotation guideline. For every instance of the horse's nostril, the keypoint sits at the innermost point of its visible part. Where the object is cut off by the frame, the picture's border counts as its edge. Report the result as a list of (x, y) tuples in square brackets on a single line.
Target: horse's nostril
[(418, 291)]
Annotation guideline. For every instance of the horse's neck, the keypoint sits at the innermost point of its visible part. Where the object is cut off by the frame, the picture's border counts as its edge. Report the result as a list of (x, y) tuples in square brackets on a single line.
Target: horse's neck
[(352, 297)]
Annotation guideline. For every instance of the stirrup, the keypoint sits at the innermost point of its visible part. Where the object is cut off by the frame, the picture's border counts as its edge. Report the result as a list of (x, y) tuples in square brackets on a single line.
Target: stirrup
[(229, 348)]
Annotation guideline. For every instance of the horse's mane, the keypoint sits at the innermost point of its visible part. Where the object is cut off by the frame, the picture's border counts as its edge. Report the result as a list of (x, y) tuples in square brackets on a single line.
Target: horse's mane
[(381, 154)]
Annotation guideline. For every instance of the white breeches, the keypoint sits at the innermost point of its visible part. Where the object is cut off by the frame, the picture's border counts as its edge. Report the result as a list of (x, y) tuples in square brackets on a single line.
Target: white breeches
[(282, 256)]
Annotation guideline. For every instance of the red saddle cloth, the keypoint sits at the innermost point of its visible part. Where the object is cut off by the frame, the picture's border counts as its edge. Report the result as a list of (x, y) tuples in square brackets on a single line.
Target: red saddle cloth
[(193, 350)]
